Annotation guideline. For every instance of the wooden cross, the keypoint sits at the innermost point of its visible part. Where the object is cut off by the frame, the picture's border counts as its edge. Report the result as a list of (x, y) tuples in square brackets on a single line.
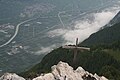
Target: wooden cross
[(75, 48)]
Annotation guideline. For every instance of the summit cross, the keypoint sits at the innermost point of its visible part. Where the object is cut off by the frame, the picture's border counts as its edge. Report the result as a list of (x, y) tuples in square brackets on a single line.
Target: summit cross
[(76, 48)]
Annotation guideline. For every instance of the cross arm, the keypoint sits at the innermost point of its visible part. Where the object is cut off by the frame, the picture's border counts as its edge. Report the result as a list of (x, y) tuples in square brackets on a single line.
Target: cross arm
[(74, 47)]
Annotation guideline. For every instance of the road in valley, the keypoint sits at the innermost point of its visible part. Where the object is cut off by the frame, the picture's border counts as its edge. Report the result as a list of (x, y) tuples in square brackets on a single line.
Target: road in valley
[(16, 32), (18, 25)]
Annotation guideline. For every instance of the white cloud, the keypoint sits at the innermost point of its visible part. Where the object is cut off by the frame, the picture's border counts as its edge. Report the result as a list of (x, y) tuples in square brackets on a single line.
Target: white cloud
[(45, 50), (84, 28), (56, 32)]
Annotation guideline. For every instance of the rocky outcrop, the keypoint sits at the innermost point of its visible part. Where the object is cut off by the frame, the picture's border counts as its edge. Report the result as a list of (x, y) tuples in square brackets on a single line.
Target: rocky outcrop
[(11, 76), (62, 71)]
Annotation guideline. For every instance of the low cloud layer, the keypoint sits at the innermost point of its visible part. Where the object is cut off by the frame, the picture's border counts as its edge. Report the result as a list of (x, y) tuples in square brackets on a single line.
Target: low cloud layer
[(82, 29), (45, 50)]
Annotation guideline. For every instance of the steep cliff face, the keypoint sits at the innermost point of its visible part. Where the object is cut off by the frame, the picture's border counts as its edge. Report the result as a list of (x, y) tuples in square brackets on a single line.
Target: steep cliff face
[(10, 76), (62, 71)]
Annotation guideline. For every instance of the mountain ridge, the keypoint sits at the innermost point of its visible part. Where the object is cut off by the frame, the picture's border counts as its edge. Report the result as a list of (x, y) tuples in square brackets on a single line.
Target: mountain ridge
[(109, 34), (115, 20)]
